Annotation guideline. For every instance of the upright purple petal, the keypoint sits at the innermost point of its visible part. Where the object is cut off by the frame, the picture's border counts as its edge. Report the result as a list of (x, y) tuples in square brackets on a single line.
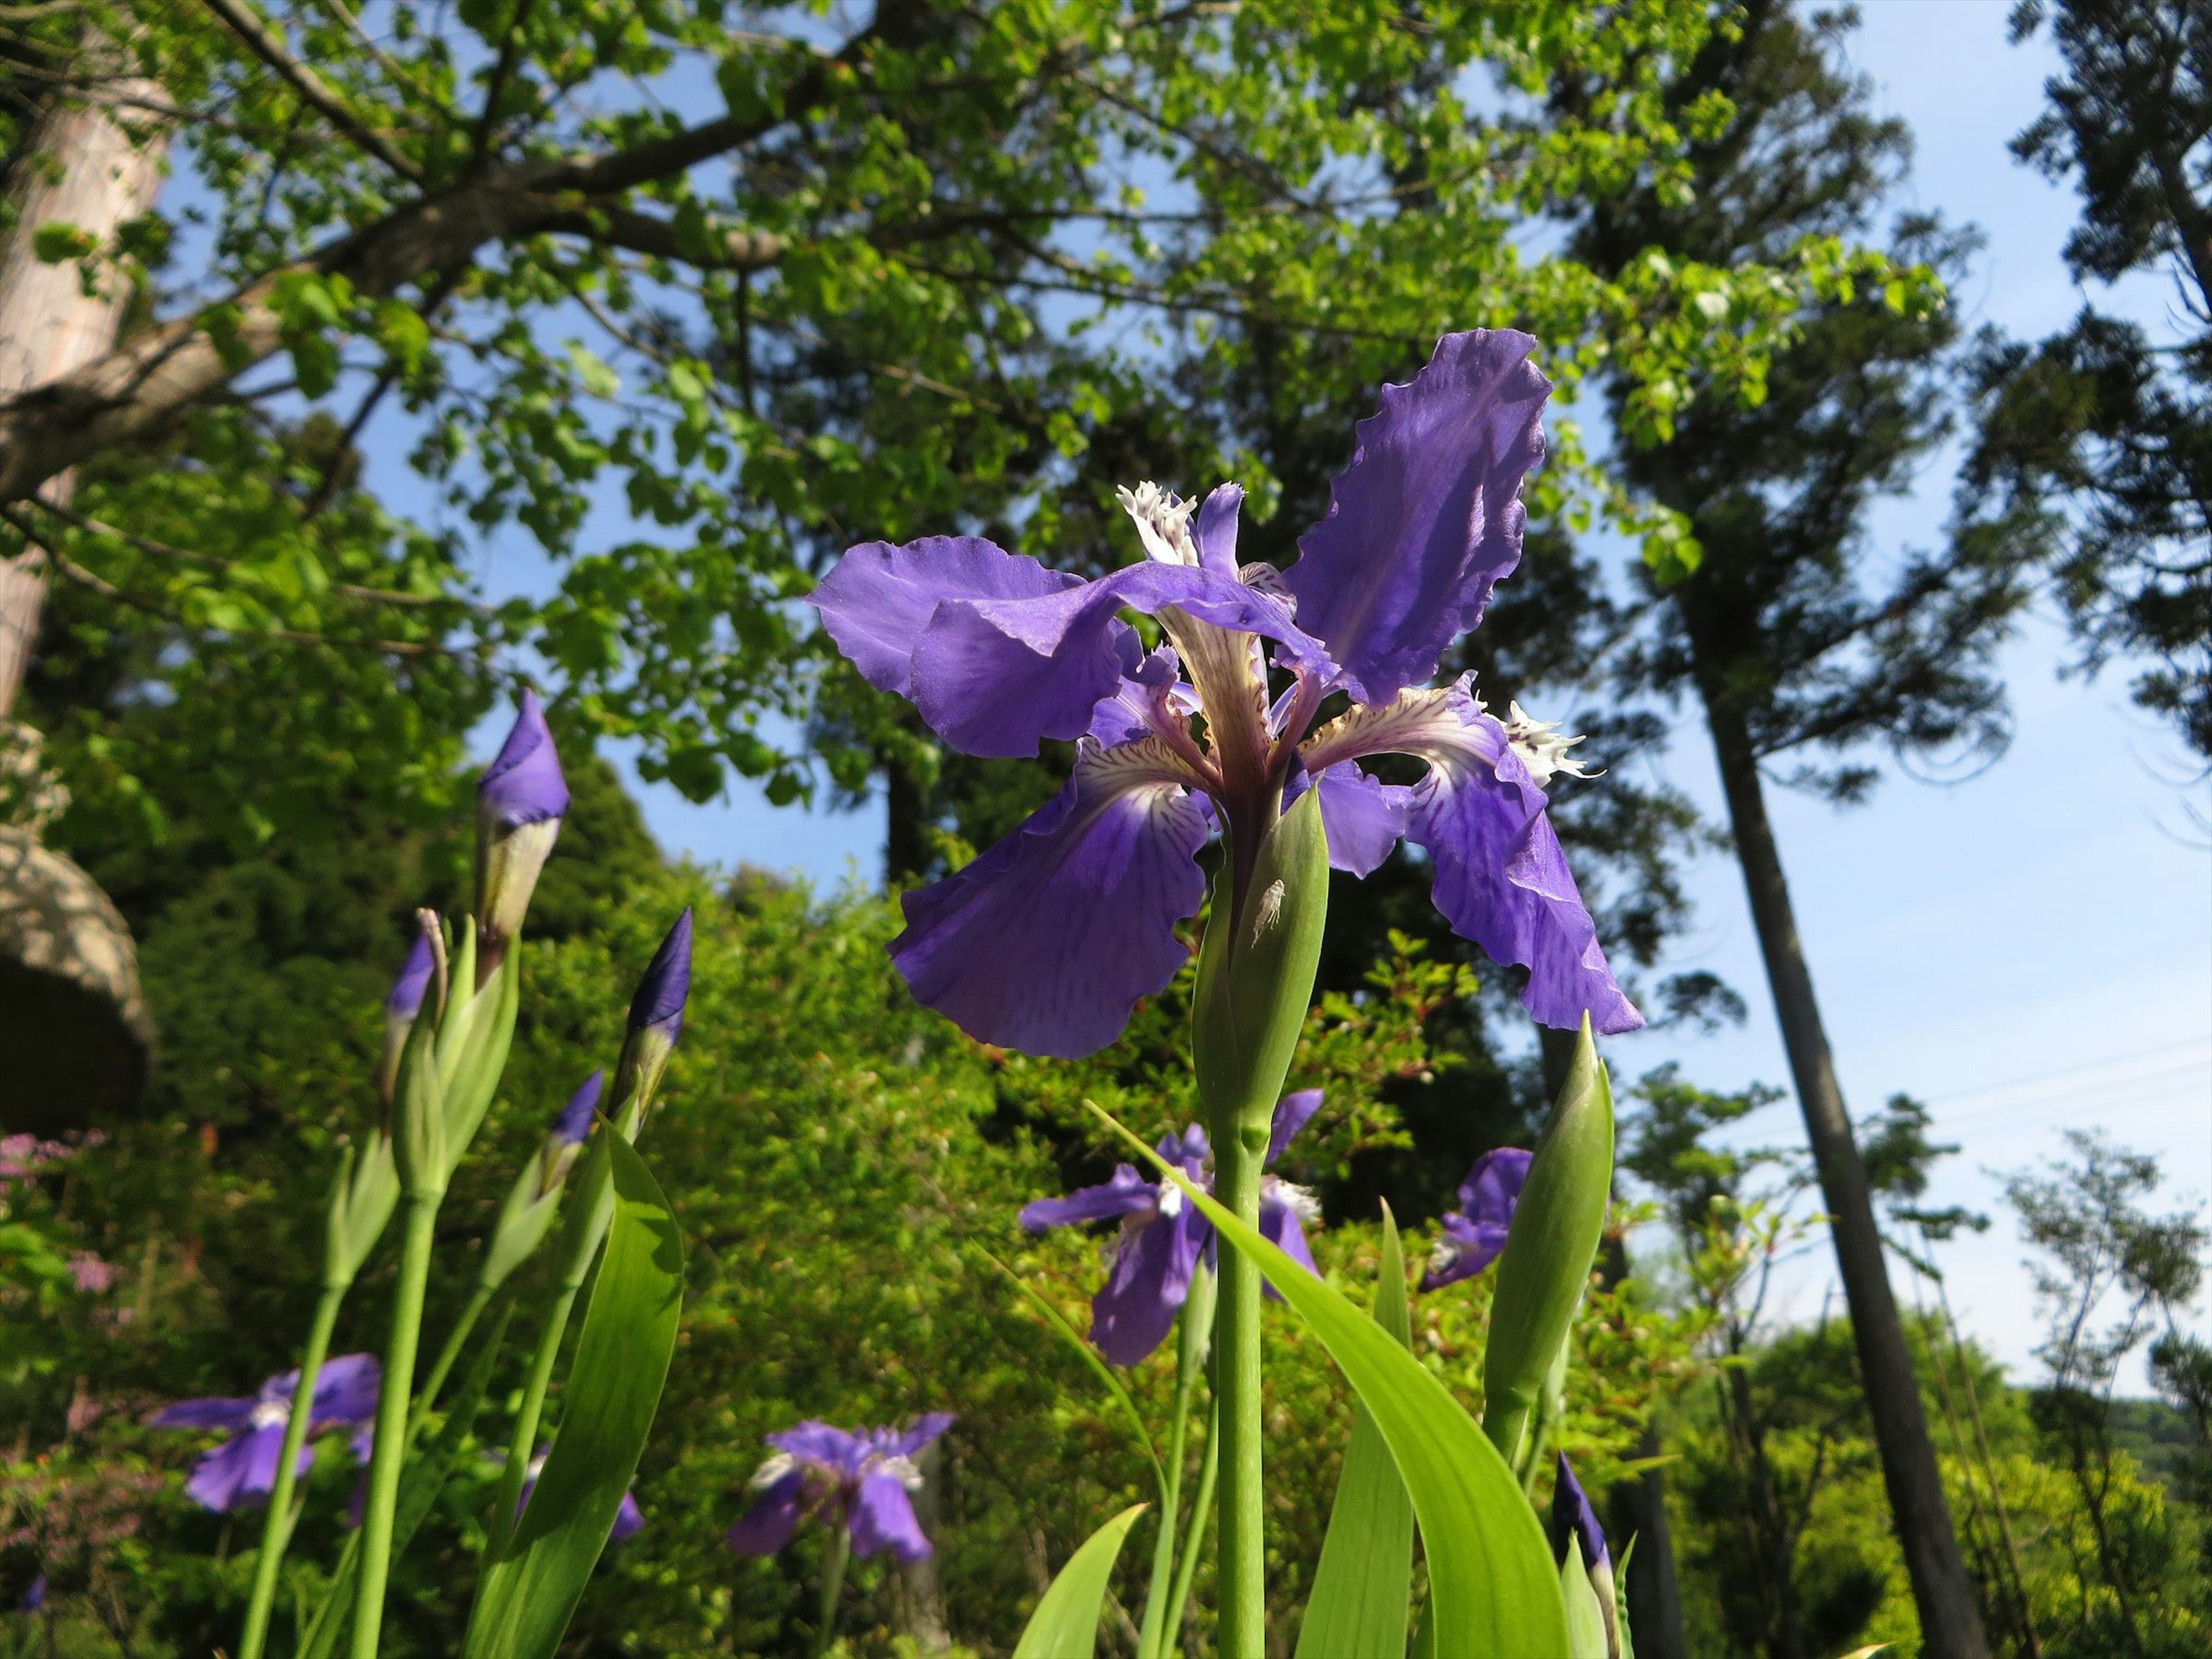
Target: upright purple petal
[(1214, 531), (1126, 1193), (1282, 1222), (996, 677), (345, 1390), (908, 1441), (1428, 516), (575, 1124), (414, 981), (767, 1527), (1136, 1308), (523, 784), (883, 1518), (877, 598), (205, 1414), (817, 1442), (1464, 1249), (1492, 1191), (1292, 1113), (658, 1005), (1046, 942), (1573, 1517)]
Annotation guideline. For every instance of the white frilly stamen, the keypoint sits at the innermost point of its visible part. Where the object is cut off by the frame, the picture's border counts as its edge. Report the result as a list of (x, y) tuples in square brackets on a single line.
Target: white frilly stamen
[(1542, 749), (774, 1469), (900, 1468), (1170, 1200), (1162, 522), (1299, 1200)]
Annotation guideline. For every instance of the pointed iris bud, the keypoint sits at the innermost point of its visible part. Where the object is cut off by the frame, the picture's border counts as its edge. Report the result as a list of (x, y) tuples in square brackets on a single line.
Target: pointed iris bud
[(570, 1130), (656, 1020), (528, 1211), (1578, 1546), (400, 1008), (519, 806)]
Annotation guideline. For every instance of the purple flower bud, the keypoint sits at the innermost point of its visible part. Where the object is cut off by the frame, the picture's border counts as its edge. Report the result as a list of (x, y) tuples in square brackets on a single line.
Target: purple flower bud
[(414, 981), (658, 1003), (1573, 1517), (519, 806), (574, 1123)]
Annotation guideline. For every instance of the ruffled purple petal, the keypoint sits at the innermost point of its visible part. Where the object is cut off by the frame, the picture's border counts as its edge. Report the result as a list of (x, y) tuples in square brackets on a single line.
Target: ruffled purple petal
[(883, 1518), (523, 784), (1149, 699), (1282, 1225), (1046, 942), (205, 1414), (877, 598), (1126, 1193), (242, 1472), (1136, 1308), (345, 1390), (767, 1526), (1292, 1113), (1214, 531), (996, 677), (1466, 1248), (1428, 516), (1492, 1190), (1364, 818), (817, 1442)]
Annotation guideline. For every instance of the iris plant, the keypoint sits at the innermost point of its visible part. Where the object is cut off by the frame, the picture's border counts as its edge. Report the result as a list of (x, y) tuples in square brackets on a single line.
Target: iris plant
[(1163, 1239), (242, 1472), (1474, 1234), (1579, 1545)]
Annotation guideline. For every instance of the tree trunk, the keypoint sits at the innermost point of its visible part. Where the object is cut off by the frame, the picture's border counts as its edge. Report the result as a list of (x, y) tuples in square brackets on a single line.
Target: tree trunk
[(1950, 1617), (79, 168)]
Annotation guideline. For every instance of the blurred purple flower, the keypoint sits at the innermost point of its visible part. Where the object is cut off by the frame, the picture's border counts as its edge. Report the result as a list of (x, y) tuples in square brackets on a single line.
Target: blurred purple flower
[(240, 1474), (1163, 1238), (1047, 941), (862, 1481), (520, 805), (34, 1597), (1474, 1234)]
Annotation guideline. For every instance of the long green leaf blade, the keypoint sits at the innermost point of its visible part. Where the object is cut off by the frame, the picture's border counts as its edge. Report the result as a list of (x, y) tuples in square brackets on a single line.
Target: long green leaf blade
[(1363, 1584), (1065, 1623), (1493, 1591), (528, 1595)]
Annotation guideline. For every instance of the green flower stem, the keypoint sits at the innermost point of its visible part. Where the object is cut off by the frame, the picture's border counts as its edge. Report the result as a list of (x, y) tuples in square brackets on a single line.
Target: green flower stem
[(1243, 1570), (277, 1526), (833, 1588), (392, 1426), (1194, 1543), (426, 1400), (1195, 1325)]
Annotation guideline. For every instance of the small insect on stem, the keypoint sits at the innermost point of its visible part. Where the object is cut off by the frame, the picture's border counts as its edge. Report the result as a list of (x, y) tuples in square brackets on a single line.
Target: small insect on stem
[(1268, 909)]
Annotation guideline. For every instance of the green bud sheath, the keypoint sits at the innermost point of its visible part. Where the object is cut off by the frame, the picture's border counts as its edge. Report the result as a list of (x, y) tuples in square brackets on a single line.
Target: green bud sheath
[(418, 1118), (1255, 974), (1549, 1249)]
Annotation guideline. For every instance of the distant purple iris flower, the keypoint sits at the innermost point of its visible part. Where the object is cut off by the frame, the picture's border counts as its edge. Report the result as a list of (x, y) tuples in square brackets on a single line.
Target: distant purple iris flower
[(1573, 1517), (863, 1481), (1474, 1234), (33, 1598), (1045, 941), (1163, 1238), (240, 1472)]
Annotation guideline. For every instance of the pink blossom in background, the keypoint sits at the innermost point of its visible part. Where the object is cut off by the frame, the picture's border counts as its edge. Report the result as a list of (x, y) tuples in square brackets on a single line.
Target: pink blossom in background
[(92, 1275)]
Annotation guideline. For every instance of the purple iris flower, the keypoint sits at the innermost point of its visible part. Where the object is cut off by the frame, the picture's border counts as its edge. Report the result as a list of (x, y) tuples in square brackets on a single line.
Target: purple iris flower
[(863, 1481), (1163, 1237), (240, 1472), (520, 802), (33, 1598), (1573, 1517), (1474, 1234), (1047, 941)]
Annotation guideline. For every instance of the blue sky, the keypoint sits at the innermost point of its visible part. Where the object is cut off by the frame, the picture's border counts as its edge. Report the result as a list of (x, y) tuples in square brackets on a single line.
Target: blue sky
[(2027, 950)]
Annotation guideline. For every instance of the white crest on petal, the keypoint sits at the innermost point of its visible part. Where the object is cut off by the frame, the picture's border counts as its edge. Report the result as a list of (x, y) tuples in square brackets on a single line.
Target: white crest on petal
[(1542, 749), (1299, 1200), (270, 1414), (1170, 1200), (900, 1468), (1162, 522), (1443, 1257), (774, 1469)]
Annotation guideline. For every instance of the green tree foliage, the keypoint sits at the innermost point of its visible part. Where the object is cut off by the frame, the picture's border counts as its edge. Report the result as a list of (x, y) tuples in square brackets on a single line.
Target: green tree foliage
[(2098, 442)]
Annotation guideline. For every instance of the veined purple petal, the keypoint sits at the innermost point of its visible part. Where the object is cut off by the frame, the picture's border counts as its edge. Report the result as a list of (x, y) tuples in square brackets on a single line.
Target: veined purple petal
[(996, 677), (1428, 516), (1046, 942), (1292, 1113), (1149, 699), (1136, 1308), (1364, 818), (345, 1390), (1492, 1191), (414, 981), (883, 1518), (906, 1443), (661, 993), (767, 1527), (1573, 1516), (1126, 1193), (1214, 531), (877, 598), (523, 784), (1466, 1248), (574, 1123), (205, 1414)]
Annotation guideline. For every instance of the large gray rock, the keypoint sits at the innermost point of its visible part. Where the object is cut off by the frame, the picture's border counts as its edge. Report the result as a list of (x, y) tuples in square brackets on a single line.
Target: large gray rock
[(74, 1039)]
